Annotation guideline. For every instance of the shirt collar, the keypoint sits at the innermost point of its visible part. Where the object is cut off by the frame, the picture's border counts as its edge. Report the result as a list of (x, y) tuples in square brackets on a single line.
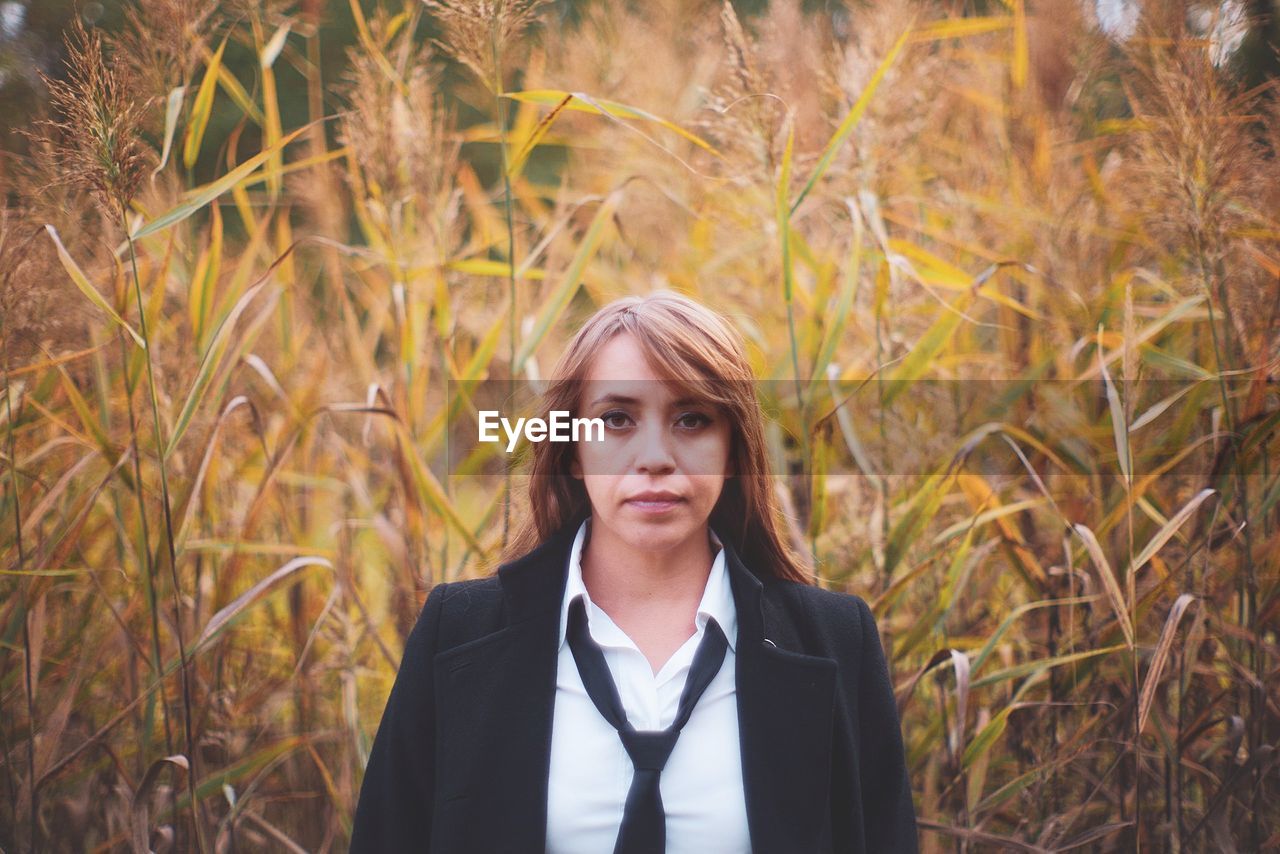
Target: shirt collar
[(717, 596)]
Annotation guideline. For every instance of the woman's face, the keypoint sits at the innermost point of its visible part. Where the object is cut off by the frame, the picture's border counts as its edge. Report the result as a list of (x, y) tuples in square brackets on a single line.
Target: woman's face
[(658, 473)]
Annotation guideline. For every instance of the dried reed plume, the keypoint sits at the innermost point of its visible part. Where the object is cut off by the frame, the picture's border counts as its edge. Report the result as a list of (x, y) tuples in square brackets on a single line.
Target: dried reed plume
[(1195, 147), (907, 104), (162, 43), (476, 32), (749, 114), (99, 124), (1207, 176), (399, 135)]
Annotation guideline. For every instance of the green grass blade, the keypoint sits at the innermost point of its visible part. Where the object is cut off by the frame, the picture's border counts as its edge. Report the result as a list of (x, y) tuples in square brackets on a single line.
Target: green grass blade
[(922, 355), (1119, 426), (258, 592), (86, 287), (206, 194), (851, 120), (558, 300), (172, 110), (1171, 527), (201, 107), (582, 102), (1109, 582)]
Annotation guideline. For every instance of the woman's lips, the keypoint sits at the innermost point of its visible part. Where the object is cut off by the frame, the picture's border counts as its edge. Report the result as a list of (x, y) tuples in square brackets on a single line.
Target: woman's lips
[(654, 505)]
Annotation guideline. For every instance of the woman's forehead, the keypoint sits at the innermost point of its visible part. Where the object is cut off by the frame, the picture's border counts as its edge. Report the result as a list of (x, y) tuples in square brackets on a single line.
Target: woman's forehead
[(599, 391)]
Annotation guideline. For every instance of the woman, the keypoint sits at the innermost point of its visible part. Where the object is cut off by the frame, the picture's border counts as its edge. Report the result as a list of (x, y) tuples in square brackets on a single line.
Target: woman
[(654, 672)]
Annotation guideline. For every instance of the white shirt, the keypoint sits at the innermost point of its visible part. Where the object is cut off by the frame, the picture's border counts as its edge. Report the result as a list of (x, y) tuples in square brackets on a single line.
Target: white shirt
[(591, 772)]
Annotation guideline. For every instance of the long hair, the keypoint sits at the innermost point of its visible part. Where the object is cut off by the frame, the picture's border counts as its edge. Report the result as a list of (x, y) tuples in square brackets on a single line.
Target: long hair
[(696, 350)]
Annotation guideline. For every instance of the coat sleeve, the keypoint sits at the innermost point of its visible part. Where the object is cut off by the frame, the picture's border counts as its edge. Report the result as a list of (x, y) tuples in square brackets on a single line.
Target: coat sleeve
[(394, 810), (886, 788)]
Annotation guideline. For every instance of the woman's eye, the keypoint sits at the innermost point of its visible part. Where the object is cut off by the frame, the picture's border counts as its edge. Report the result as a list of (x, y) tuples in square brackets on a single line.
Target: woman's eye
[(615, 420), (693, 420), (618, 420)]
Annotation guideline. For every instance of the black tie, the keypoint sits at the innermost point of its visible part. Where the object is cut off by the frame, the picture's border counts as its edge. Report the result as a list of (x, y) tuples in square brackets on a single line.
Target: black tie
[(644, 822)]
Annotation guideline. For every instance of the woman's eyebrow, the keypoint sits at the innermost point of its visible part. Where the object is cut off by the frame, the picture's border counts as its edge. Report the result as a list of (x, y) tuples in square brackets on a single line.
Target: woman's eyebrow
[(614, 397)]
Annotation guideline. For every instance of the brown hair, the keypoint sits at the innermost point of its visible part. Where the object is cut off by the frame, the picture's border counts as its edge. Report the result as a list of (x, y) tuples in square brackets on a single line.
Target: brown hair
[(697, 350)]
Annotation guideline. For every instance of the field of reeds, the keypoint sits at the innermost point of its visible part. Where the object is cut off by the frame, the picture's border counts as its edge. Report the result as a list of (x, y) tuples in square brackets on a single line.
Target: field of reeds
[(1011, 282)]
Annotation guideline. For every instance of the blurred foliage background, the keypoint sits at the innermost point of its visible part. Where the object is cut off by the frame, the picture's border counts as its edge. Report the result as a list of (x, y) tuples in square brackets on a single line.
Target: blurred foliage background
[(1009, 273)]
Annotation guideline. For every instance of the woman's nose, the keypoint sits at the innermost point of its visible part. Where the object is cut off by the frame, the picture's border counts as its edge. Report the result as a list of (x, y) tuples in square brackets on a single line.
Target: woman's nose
[(654, 453)]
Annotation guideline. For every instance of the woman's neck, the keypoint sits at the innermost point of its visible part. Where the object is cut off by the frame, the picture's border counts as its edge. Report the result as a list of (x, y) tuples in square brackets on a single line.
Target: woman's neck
[(622, 578)]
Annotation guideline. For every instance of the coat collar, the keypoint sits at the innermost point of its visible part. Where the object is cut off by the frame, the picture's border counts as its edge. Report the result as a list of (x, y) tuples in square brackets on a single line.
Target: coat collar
[(786, 701)]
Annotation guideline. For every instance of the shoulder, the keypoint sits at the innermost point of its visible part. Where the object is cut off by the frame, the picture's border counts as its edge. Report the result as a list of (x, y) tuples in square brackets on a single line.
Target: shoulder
[(466, 609), (843, 610), (832, 622), (470, 594)]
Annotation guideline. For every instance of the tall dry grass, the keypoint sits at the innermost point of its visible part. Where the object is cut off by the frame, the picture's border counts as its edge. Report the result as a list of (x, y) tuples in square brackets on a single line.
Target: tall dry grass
[(1012, 288)]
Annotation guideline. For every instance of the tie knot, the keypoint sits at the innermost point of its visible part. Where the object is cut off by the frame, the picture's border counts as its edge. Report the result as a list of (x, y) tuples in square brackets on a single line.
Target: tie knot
[(649, 749)]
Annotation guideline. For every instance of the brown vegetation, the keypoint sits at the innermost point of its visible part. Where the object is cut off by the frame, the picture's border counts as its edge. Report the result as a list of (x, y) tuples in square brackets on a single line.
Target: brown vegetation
[(1013, 290)]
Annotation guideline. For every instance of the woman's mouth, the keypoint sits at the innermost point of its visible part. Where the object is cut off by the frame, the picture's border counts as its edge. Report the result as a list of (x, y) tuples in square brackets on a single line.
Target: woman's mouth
[(655, 503)]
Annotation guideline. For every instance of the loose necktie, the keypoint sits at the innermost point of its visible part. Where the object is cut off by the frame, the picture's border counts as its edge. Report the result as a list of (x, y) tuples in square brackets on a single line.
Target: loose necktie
[(644, 821)]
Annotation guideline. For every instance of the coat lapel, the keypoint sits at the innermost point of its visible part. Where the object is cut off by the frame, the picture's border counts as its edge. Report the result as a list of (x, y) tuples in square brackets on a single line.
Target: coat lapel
[(501, 695), (785, 708), (786, 702)]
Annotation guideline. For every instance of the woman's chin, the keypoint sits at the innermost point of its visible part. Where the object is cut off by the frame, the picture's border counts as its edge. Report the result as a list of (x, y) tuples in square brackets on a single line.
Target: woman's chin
[(657, 532)]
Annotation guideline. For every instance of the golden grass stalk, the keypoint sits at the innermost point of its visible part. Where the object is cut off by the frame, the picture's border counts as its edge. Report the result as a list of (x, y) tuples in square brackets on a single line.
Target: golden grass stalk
[(104, 152)]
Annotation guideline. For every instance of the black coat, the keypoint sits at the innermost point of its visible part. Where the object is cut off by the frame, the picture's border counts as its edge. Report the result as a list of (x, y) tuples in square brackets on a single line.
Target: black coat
[(461, 758)]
